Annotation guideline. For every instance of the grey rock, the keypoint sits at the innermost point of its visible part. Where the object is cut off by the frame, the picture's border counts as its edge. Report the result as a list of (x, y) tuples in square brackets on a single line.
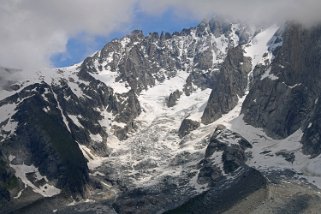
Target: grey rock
[(288, 156), (232, 145), (279, 109), (228, 84), (187, 126), (204, 60), (311, 139), (173, 98)]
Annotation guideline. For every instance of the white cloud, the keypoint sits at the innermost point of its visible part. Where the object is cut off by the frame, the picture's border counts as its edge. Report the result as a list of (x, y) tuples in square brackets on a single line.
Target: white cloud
[(255, 11), (32, 30)]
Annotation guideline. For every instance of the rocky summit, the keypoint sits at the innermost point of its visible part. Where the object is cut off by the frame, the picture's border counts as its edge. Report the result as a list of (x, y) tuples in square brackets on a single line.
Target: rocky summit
[(218, 118)]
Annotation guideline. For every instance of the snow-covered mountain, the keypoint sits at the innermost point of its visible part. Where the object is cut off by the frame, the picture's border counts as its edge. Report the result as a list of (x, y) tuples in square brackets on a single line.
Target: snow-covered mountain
[(151, 122)]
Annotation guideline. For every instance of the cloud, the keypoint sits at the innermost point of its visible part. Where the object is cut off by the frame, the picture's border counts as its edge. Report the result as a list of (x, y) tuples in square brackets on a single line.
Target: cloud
[(251, 11), (33, 30)]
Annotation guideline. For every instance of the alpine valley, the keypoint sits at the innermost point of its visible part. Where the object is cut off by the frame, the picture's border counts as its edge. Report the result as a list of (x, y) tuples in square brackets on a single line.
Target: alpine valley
[(218, 118)]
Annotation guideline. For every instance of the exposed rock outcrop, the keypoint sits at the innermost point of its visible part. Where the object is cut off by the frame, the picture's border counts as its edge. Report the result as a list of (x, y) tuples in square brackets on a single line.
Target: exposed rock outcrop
[(173, 98), (187, 126), (224, 154), (228, 84)]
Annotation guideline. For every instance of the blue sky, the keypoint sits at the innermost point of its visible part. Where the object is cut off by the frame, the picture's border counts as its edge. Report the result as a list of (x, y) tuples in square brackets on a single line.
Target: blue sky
[(79, 47)]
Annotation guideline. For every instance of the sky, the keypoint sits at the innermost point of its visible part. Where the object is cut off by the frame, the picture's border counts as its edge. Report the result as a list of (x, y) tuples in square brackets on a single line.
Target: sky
[(54, 33)]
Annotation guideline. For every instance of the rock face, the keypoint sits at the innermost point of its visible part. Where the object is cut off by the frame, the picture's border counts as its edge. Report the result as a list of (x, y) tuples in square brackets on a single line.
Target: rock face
[(282, 103), (44, 140), (228, 84), (311, 139), (8, 182), (285, 93), (187, 126)]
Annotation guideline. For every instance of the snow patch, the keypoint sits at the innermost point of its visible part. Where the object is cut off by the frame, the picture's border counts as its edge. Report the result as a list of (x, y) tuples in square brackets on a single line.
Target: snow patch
[(9, 126), (19, 194), (260, 45), (267, 74), (94, 161), (75, 120), (21, 171), (96, 137), (61, 112), (109, 78)]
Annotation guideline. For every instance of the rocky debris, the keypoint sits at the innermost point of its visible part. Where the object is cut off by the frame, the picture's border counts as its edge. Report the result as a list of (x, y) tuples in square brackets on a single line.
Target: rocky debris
[(209, 173), (288, 156), (155, 198), (187, 126), (225, 194), (173, 98), (228, 84)]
